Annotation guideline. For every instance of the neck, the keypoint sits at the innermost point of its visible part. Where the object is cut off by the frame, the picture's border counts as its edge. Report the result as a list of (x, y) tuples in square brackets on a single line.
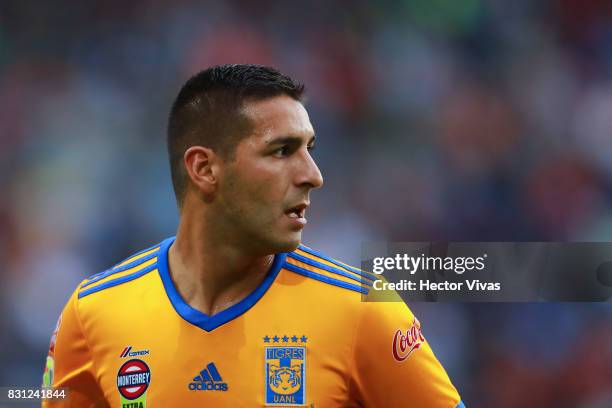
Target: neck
[(210, 275)]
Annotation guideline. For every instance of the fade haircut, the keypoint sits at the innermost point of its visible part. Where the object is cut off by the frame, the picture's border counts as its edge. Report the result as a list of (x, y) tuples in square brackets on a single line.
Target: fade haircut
[(208, 112)]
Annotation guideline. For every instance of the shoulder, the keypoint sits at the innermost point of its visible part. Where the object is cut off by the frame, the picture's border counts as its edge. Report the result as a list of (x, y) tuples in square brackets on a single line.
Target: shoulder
[(375, 307), (349, 291), (131, 269), (319, 267)]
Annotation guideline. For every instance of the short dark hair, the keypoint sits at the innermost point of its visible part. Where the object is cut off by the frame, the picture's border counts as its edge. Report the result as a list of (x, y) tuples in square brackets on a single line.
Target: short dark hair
[(207, 111)]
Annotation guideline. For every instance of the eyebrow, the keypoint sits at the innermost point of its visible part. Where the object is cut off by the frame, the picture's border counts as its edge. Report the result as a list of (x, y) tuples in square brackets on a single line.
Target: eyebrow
[(291, 140)]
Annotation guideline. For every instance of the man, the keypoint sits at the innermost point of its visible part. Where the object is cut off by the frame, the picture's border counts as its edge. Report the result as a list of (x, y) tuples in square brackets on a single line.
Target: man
[(234, 311)]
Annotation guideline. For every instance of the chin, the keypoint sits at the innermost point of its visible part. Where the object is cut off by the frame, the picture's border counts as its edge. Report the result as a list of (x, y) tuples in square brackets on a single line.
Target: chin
[(277, 242), (288, 244)]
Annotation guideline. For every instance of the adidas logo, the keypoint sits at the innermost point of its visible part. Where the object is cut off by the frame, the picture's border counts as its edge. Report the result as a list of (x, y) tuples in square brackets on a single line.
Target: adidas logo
[(209, 379)]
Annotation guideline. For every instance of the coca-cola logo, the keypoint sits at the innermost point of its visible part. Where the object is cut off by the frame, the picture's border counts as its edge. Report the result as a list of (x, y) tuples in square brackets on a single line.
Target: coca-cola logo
[(405, 343)]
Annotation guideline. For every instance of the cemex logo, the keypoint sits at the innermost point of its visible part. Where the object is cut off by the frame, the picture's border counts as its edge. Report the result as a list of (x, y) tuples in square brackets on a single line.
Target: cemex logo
[(209, 379), (127, 352)]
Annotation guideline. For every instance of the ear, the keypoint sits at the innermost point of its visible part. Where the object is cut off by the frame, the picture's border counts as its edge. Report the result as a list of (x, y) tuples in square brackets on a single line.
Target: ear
[(201, 164)]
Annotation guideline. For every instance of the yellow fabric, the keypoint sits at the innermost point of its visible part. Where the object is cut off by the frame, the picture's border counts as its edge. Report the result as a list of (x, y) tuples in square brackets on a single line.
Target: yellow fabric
[(348, 344)]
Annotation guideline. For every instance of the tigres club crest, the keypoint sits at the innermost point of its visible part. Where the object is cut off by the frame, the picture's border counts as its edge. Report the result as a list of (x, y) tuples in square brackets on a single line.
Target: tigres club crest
[(285, 376)]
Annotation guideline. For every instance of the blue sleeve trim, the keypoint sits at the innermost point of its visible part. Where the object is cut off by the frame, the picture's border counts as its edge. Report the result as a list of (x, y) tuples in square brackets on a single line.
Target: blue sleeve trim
[(109, 272), (202, 320), (124, 267), (325, 279), (136, 254), (96, 275), (460, 405), (319, 265), (118, 281), (339, 264)]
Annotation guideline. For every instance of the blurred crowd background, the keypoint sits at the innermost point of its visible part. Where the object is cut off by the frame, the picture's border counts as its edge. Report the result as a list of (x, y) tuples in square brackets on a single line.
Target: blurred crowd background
[(436, 120)]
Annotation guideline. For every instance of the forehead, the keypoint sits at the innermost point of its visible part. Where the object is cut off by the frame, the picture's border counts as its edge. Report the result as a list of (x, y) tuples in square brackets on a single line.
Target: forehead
[(278, 116)]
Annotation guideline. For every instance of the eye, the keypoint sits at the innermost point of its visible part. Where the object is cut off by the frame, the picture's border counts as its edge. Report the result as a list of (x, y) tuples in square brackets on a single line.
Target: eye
[(282, 151)]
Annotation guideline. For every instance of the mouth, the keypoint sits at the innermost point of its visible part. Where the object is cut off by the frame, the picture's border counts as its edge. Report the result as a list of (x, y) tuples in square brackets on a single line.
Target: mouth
[(298, 212)]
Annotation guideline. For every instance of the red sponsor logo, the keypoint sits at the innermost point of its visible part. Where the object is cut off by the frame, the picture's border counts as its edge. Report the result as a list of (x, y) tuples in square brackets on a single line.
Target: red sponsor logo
[(405, 343), (133, 379)]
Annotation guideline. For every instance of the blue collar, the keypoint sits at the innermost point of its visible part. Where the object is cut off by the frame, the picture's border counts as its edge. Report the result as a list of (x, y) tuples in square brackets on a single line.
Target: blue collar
[(200, 319)]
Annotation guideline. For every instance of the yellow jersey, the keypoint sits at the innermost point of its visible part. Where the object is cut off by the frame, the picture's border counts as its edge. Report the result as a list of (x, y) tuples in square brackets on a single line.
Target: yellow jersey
[(304, 337)]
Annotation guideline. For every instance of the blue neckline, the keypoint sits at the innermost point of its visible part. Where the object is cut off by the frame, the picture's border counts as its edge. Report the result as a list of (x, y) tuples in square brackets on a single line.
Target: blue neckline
[(202, 320)]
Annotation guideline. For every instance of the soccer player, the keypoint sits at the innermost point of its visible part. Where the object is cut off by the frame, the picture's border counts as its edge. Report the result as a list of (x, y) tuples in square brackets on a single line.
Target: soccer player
[(235, 311)]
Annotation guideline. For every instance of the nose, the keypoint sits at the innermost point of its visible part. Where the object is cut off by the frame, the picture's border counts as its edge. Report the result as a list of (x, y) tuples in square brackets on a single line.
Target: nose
[(310, 173)]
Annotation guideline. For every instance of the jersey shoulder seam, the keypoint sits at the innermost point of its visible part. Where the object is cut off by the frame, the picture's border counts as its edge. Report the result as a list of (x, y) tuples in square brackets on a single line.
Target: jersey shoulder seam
[(319, 267), (312, 264), (127, 270), (318, 257)]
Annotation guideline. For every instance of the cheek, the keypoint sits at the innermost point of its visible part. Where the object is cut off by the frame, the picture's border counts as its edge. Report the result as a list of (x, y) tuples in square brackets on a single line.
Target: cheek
[(256, 195), (263, 185)]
